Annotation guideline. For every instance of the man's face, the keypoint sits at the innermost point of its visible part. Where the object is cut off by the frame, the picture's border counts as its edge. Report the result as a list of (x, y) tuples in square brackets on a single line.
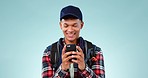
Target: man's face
[(71, 28)]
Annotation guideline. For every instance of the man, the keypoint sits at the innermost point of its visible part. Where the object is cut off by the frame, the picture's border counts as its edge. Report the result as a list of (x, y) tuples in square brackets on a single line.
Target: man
[(88, 62)]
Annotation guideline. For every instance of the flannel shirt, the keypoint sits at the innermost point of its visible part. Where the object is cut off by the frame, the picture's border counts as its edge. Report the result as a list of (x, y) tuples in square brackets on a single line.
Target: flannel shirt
[(96, 70)]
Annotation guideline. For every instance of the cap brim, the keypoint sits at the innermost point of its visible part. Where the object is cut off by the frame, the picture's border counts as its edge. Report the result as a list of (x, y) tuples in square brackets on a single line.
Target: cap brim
[(69, 15)]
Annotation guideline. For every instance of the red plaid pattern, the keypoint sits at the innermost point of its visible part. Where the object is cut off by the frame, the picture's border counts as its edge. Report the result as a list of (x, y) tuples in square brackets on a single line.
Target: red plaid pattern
[(97, 69)]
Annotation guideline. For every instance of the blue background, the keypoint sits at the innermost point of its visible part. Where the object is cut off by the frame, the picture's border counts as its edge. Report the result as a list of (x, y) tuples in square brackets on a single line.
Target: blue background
[(119, 27)]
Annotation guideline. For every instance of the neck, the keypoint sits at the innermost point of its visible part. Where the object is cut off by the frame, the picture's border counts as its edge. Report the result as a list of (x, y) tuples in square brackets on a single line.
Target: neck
[(70, 42)]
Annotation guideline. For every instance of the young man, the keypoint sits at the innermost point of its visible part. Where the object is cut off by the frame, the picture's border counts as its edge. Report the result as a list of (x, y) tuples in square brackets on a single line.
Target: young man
[(88, 60)]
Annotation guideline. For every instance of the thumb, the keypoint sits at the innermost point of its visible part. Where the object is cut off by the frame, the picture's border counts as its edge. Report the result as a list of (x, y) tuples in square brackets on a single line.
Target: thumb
[(63, 50)]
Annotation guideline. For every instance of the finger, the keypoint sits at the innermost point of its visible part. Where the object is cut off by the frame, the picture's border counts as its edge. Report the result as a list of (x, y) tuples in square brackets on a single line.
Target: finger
[(66, 54), (63, 50), (67, 59), (77, 57), (76, 53), (80, 52), (75, 61), (79, 49)]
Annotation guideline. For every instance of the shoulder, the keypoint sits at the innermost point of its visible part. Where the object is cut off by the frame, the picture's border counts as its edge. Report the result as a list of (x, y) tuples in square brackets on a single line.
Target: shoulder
[(97, 51), (47, 51), (48, 48), (95, 47)]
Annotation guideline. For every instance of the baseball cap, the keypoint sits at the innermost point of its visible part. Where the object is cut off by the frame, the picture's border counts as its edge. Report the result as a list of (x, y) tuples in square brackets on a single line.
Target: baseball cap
[(71, 11)]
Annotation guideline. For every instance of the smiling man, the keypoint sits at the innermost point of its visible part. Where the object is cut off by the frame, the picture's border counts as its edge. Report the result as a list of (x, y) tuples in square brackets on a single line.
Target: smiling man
[(86, 61)]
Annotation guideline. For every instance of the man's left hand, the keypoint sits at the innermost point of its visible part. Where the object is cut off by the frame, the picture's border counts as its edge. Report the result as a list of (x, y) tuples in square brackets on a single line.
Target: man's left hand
[(79, 58)]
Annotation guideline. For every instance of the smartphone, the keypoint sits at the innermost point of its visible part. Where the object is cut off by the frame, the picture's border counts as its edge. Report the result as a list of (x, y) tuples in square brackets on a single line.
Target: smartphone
[(71, 47)]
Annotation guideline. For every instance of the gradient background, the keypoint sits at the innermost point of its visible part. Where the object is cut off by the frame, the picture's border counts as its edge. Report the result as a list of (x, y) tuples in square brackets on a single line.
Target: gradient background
[(119, 27)]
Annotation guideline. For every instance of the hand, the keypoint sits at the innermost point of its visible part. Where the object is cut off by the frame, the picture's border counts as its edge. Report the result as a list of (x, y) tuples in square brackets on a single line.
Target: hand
[(65, 59), (79, 58)]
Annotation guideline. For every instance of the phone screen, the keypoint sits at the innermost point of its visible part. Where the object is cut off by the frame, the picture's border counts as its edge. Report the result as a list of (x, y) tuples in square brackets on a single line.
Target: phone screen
[(70, 47)]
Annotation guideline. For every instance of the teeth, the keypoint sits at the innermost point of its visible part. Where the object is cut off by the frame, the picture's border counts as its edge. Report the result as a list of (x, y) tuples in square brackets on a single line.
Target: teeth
[(71, 34)]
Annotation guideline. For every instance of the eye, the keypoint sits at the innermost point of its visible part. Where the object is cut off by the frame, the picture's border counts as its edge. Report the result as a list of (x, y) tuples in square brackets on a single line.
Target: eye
[(65, 25), (75, 25)]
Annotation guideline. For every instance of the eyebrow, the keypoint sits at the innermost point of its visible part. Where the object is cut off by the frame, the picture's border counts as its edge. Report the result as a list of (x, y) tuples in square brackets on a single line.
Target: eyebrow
[(72, 24)]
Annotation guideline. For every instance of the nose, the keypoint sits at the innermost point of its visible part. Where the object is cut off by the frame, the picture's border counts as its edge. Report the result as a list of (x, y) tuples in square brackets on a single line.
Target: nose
[(70, 29)]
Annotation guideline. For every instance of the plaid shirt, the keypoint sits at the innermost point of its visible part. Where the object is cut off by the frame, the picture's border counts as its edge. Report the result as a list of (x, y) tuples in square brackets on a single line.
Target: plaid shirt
[(96, 70)]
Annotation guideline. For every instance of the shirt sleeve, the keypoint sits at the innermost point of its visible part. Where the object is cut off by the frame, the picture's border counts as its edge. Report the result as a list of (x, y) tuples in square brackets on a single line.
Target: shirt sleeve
[(48, 71), (97, 68)]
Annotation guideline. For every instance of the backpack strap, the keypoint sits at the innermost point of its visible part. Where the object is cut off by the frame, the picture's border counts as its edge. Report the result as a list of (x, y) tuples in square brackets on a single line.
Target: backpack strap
[(89, 48), (54, 55), (89, 52)]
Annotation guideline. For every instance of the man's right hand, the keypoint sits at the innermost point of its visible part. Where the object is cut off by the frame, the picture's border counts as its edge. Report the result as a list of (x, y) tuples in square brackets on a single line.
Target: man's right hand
[(65, 59)]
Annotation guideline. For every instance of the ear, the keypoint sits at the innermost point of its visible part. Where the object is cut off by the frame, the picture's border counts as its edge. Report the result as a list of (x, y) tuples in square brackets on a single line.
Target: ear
[(82, 24), (60, 23)]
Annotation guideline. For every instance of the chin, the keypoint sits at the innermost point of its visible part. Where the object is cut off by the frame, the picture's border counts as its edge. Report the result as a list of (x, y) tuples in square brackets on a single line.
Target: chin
[(71, 39)]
